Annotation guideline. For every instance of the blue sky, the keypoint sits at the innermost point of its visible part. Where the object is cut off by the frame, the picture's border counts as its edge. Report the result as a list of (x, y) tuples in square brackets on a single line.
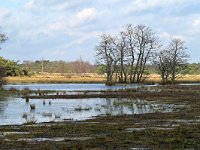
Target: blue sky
[(69, 29)]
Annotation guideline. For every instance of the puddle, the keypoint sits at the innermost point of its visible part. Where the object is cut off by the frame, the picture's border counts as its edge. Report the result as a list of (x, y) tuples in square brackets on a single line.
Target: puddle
[(55, 139), (139, 149), (190, 84), (130, 130), (195, 121), (18, 111), (134, 129), (2, 134)]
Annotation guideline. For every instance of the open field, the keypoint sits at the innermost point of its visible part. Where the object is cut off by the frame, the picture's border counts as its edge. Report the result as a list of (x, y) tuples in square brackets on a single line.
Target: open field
[(87, 78), (58, 78)]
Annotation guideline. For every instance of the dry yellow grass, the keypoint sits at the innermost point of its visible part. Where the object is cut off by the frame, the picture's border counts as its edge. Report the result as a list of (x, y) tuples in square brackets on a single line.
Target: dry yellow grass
[(190, 78), (86, 78), (153, 78), (58, 78), (181, 78)]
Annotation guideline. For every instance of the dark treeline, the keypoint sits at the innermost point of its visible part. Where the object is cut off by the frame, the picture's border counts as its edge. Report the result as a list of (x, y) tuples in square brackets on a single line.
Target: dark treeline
[(127, 54), (78, 66), (193, 68), (12, 68)]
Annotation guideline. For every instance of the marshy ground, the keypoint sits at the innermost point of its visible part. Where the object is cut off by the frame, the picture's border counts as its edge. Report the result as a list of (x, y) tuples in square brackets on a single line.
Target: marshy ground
[(176, 129)]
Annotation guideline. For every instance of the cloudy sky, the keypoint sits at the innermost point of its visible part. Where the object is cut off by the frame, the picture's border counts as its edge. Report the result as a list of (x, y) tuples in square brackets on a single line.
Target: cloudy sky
[(69, 29)]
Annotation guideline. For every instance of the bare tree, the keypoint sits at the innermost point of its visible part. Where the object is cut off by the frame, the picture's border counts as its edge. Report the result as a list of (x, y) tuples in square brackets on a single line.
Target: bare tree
[(106, 54), (146, 44), (127, 54), (81, 66), (170, 59), (178, 56), (129, 32), (121, 48), (162, 60)]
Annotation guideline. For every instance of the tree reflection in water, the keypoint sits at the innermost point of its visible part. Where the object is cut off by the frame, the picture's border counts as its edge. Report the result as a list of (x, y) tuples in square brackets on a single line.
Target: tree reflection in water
[(17, 111)]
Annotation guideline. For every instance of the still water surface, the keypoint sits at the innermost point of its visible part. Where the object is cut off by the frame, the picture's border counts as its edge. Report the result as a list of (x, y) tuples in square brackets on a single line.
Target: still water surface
[(18, 111), (71, 87)]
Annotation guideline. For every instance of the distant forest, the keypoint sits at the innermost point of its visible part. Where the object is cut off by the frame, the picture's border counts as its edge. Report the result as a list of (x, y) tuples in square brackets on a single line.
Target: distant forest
[(78, 66), (14, 68)]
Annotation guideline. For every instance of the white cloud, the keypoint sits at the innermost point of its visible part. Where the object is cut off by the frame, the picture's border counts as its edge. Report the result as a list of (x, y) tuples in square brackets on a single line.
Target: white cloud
[(196, 23), (53, 5), (85, 15), (29, 5), (3, 13), (63, 25), (165, 36), (141, 5), (73, 22), (57, 26), (66, 5)]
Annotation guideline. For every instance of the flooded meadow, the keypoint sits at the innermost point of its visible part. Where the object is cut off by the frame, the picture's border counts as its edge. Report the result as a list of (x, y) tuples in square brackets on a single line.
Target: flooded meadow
[(17, 111), (85, 116)]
